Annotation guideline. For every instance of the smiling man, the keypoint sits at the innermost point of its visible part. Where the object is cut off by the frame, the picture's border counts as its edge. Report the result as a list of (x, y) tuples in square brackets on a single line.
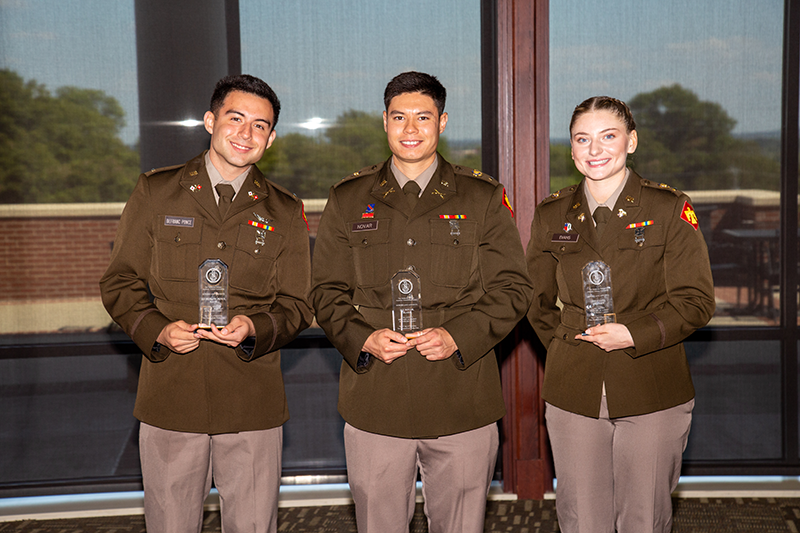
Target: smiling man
[(211, 400), (428, 397)]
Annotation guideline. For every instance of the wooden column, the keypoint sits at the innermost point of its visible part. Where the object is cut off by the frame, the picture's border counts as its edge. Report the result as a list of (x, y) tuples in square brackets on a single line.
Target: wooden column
[(516, 35)]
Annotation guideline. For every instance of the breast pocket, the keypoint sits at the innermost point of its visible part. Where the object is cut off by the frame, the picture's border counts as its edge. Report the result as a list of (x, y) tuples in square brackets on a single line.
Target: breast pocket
[(570, 265), (642, 254), (647, 239), (254, 259), (178, 250), (369, 242), (454, 245)]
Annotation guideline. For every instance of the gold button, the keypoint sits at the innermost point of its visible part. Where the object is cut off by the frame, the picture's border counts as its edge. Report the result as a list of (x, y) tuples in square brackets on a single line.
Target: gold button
[(411, 242), (221, 245), (364, 241), (455, 241)]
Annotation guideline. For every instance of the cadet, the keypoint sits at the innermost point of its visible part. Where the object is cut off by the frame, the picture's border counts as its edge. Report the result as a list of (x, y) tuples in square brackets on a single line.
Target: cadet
[(211, 401), (429, 399)]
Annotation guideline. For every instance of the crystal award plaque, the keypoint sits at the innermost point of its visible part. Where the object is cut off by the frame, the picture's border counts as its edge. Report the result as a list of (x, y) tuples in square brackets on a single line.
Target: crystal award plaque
[(406, 307), (597, 297), (213, 293)]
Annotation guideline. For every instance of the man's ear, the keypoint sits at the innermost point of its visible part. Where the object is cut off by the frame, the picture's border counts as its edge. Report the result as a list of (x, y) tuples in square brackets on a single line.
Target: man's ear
[(208, 121)]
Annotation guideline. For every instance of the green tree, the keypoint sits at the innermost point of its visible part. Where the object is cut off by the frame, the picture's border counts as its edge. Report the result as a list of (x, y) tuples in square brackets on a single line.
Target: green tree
[(310, 165), (562, 169), (688, 143), (63, 147)]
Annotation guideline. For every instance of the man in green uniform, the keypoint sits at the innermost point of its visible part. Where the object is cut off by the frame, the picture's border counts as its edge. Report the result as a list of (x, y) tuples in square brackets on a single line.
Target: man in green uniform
[(211, 401), (429, 399)]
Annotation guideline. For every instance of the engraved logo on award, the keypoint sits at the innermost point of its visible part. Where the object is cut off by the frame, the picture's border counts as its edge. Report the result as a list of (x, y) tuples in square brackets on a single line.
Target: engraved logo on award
[(406, 306), (213, 293), (597, 297)]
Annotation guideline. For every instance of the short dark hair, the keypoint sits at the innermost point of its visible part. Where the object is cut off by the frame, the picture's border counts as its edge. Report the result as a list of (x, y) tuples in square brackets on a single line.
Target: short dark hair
[(416, 82), (246, 84), (604, 103)]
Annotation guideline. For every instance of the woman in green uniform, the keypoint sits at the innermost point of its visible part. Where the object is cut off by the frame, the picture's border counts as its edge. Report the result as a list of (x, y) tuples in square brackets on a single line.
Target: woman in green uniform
[(621, 277)]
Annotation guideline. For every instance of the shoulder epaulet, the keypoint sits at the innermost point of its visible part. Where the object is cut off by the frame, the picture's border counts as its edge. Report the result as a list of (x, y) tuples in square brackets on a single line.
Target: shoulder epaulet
[(366, 171), (660, 186), (284, 190), (562, 193), (163, 169), (474, 173)]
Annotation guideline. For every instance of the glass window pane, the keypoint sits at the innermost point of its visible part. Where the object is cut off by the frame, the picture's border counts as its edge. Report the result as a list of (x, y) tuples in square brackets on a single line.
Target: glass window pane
[(738, 408), (330, 64), (69, 91), (68, 418), (704, 85), (69, 139)]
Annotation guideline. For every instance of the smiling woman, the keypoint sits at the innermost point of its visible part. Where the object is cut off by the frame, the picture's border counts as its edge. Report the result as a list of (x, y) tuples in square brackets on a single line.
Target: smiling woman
[(613, 302)]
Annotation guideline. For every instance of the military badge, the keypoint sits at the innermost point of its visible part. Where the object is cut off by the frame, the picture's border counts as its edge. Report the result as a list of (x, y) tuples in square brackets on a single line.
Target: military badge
[(448, 217), (369, 212), (638, 236)]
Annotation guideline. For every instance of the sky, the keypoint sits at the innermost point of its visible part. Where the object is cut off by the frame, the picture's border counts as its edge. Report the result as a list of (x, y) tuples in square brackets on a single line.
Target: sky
[(324, 57)]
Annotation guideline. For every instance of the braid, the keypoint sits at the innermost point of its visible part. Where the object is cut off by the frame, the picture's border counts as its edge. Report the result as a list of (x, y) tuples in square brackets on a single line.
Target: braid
[(606, 103)]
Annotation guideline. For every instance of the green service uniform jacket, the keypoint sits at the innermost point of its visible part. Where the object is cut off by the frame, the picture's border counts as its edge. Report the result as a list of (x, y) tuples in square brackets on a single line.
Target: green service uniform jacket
[(462, 241), (662, 291), (170, 225)]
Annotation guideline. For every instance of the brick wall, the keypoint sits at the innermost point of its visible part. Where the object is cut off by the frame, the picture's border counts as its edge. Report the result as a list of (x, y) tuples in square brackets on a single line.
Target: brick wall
[(53, 252)]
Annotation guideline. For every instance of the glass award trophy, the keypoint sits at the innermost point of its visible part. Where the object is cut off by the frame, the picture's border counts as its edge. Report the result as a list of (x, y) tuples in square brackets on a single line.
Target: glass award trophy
[(597, 298), (213, 293), (406, 307)]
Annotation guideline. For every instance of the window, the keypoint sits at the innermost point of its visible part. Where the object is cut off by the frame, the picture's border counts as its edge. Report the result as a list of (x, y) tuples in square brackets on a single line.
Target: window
[(705, 87)]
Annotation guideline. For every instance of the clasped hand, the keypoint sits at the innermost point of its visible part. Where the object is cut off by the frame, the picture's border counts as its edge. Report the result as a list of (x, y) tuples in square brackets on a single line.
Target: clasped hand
[(181, 337), (435, 344)]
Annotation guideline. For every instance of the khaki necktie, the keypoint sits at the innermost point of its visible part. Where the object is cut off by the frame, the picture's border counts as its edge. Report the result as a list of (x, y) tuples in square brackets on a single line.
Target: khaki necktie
[(411, 189), (226, 194), (602, 215)]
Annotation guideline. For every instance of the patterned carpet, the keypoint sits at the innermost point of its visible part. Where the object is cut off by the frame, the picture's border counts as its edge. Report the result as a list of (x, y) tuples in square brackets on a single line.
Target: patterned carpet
[(696, 515)]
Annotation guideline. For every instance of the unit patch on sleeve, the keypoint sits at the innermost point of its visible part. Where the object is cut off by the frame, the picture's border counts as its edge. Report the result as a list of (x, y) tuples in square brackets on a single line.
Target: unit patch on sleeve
[(689, 215), (507, 202)]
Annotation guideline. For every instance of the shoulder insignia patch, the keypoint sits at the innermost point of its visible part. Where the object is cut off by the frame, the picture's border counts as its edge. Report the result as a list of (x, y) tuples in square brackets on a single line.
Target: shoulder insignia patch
[(689, 216), (303, 211), (507, 203)]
